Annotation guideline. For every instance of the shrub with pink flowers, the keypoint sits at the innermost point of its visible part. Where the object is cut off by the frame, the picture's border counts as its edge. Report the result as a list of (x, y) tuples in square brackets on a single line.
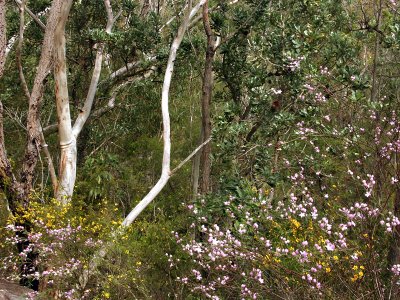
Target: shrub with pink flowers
[(58, 247), (319, 232)]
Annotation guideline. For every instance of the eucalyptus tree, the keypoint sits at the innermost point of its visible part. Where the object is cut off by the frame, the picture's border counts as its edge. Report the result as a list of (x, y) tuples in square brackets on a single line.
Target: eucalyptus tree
[(55, 53)]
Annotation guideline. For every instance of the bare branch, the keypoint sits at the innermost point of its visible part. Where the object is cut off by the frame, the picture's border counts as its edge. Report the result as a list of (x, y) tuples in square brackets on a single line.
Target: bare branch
[(84, 115), (195, 151), (125, 69), (33, 16)]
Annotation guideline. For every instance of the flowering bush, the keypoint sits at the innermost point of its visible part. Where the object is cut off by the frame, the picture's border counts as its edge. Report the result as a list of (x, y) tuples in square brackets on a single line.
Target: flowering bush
[(62, 240), (324, 230)]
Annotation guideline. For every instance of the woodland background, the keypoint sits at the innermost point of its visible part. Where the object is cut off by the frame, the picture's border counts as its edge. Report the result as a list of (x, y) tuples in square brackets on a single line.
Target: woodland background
[(294, 192)]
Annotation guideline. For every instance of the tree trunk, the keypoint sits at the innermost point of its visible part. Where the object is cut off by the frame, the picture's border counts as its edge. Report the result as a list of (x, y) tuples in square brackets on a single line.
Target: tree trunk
[(67, 168), (205, 103), (67, 172), (68, 134), (196, 169), (3, 38)]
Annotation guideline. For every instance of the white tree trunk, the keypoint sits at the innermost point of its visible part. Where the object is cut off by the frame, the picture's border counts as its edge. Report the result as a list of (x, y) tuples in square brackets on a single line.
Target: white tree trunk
[(67, 171), (166, 163), (68, 134)]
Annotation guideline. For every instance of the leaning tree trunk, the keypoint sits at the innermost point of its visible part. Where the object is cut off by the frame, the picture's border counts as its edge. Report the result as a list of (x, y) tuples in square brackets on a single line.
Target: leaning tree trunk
[(166, 172)]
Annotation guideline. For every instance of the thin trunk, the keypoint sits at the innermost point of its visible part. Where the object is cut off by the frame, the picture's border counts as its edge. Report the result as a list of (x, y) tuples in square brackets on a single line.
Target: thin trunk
[(3, 37), (196, 169), (374, 87), (205, 183), (165, 172)]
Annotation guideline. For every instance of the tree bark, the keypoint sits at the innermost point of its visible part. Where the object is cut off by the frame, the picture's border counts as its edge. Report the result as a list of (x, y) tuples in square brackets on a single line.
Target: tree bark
[(33, 125), (207, 87), (3, 37), (196, 169)]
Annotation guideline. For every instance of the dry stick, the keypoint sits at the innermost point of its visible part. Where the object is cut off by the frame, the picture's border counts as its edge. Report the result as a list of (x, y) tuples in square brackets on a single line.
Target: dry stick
[(190, 156), (165, 172)]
